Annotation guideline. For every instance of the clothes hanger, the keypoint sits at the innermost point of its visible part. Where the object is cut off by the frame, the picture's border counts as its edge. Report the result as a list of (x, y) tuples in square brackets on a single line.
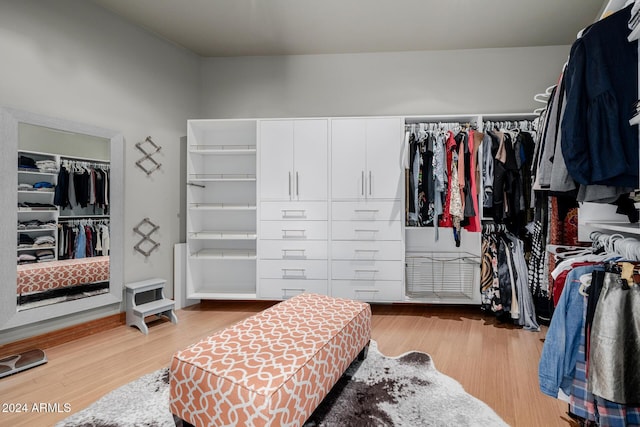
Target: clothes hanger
[(565, 252), (560, 249), (585, 283), (541, 97)]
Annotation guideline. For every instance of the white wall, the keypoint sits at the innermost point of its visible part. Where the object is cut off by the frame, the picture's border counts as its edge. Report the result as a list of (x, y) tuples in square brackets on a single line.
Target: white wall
[(72, 60), (404, 83)]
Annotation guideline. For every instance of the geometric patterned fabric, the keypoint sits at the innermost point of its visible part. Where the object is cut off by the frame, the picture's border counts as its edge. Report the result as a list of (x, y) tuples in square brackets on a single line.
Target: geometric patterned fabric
[(271, 369), (39, 277)]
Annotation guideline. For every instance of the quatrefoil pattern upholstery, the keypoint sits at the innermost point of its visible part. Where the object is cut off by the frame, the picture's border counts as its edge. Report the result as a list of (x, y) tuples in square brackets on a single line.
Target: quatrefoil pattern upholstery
[(273, 368), (45, 276)]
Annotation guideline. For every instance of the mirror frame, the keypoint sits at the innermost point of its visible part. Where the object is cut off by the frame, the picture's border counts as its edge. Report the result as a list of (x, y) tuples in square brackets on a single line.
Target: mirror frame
[(10, 317)]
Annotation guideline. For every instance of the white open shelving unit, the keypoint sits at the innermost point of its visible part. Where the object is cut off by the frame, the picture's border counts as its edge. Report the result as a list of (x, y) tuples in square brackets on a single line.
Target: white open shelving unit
[(221, 202)]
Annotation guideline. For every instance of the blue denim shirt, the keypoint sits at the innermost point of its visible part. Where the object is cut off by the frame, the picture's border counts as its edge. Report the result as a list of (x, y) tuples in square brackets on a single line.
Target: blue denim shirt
[(559, 353)]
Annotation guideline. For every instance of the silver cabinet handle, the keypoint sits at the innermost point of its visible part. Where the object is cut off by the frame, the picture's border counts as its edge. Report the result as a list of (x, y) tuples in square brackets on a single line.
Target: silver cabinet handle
[(300, 234), (289, 184), (369, 182), (300, 273), (363, 234), (286, 292), (366, 210), (360, 294), (297, 184), (365, 254), (362, 183), (366, 271), (300, 254), (300, 213)]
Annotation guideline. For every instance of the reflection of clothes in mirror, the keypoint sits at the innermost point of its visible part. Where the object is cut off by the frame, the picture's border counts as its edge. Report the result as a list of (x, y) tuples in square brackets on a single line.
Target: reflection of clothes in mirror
[(83, 187), (89, 239)]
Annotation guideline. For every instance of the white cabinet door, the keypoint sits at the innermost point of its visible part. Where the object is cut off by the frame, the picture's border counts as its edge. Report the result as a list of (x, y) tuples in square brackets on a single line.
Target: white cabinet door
[(348, 161), (310, 157), (366, 158), (385, 177), (276, 159)]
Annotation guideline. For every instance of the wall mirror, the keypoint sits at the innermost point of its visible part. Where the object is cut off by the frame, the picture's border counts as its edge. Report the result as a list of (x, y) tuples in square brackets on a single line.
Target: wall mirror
[(62, 220)]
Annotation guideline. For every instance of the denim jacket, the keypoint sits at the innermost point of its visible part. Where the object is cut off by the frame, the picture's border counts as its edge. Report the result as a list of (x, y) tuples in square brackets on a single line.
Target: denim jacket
[(559, 353)]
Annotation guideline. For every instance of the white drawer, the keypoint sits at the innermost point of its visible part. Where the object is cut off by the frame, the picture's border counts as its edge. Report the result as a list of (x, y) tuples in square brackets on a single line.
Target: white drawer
[(292, 269), (378, 291), (284, 289), (367, 211), (314, 211), (367, 250), (366, 230), (293, 230), (296, 249), (367, 270)]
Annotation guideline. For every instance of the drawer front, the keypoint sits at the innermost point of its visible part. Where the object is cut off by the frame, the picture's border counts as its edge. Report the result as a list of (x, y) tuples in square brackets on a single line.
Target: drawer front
[(311, 211), (366, 230), (370, 291), (293, 230), (367, 211), (288, 249), (367, 270), (292, 269), (284, 289), (367, 250)]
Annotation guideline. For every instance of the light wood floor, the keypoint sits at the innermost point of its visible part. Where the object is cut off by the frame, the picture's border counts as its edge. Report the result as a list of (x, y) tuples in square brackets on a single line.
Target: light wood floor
[(496, 363)]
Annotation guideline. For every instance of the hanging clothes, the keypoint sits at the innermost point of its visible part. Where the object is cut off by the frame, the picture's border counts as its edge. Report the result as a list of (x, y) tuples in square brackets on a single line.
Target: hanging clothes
[(82, 186), (503, 284), (475, 139), (582, 348), (454, 194), (83, 239), (598, 144)]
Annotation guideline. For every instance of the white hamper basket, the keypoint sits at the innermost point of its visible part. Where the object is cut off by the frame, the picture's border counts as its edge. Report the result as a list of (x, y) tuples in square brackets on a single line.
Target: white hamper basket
[(442, 275)]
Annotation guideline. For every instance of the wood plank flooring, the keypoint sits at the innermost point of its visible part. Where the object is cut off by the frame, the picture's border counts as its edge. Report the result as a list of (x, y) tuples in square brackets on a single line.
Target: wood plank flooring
[(496, 363)]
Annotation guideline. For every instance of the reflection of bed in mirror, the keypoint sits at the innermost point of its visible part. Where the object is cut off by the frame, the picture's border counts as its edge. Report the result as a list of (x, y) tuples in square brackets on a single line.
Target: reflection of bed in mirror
[(67, 187), (57, 281)]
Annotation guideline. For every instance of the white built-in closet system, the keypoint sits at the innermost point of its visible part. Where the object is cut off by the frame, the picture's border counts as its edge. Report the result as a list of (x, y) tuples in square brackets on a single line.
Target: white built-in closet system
[(277, 207)]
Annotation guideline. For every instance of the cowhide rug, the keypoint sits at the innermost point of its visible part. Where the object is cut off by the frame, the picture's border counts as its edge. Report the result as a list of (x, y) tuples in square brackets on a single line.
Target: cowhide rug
[(381, 391)]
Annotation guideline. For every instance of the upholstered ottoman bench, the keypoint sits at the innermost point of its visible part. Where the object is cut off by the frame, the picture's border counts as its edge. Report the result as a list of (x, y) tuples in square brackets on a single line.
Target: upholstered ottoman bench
[(273, 368)]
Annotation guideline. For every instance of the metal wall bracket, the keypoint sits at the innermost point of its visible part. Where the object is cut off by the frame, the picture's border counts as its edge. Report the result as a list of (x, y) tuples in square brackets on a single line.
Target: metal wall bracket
[(147, 163), (145, 229)]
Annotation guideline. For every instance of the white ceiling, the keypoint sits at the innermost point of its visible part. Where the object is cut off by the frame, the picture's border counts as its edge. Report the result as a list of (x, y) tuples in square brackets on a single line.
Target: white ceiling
[(284, 27)]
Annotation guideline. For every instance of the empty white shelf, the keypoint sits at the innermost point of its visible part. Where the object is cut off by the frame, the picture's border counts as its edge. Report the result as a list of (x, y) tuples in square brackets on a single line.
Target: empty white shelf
[(223, 295), (221, 206), (623, 227), (222, 177), (223, 235), (225, 254), (222, 149)]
